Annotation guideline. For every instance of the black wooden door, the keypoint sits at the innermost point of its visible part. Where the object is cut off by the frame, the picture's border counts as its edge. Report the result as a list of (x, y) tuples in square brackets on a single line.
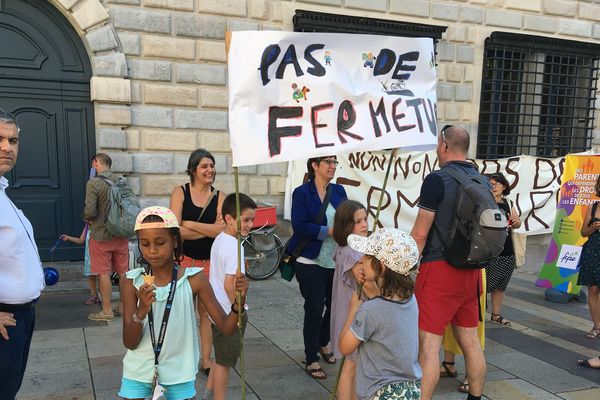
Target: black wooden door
[(44, 81)]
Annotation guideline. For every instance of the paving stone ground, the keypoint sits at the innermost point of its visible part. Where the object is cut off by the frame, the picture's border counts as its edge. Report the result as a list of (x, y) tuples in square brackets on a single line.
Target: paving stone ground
[(73, 358)]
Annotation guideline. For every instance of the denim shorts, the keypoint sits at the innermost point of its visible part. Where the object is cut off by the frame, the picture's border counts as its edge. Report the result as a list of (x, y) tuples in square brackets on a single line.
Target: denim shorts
[(131, 389)]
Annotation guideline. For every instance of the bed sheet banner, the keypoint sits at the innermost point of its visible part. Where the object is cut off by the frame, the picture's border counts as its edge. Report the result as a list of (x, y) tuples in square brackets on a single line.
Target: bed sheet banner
[(534, 185), (561, 265), (299, 95)]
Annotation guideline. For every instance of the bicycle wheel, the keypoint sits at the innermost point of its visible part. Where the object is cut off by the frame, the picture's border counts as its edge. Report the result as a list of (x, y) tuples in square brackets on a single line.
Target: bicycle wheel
[(262, 264)]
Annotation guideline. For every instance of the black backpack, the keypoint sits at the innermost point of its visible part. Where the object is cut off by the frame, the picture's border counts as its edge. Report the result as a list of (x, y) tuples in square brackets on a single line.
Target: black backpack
[(479, 226)]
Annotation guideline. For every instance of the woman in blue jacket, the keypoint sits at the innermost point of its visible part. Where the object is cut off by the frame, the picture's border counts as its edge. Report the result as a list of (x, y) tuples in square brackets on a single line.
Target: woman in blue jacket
[(315, 266)]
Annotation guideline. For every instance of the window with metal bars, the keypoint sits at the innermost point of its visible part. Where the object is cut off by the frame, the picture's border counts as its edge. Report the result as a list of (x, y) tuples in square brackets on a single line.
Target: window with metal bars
[(537, 96)]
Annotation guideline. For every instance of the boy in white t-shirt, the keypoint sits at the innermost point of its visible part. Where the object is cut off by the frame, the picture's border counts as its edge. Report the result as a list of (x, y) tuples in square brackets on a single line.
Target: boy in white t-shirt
[(223, 268)]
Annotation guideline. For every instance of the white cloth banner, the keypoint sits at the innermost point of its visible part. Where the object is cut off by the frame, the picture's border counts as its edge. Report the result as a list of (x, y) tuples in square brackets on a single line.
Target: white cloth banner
[(534, 185), (300, 95)]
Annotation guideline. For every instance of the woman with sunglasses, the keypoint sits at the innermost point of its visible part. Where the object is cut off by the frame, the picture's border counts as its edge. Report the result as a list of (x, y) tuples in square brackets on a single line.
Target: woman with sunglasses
[(314, 264)]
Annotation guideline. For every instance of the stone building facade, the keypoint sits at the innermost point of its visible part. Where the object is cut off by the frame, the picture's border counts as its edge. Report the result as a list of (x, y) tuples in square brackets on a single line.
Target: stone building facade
[(160, 77)]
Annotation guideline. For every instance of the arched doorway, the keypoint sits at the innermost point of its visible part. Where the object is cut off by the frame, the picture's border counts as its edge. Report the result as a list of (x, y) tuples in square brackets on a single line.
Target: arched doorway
[(44, 79)]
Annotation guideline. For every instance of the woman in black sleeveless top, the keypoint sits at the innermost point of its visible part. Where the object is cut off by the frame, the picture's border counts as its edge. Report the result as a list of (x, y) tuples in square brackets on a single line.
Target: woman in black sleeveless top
[(197, 206)]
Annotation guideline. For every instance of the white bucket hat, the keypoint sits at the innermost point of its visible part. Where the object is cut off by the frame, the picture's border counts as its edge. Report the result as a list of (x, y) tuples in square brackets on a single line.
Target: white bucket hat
[(396, 249)]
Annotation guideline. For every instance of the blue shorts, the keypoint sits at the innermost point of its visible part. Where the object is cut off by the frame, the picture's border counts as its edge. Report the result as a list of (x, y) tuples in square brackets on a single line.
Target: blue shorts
[(131, 389)]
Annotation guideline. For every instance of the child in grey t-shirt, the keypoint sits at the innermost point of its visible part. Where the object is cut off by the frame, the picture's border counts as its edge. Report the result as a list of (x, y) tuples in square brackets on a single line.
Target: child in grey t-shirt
[(384, 329)]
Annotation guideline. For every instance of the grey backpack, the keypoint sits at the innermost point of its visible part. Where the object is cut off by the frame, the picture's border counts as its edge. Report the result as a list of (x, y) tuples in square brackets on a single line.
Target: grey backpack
[(123, 208), (478, 230)]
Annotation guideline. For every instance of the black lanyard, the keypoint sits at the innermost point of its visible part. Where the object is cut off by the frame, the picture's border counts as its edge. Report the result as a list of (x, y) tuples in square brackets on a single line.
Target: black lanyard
[(163, 326)]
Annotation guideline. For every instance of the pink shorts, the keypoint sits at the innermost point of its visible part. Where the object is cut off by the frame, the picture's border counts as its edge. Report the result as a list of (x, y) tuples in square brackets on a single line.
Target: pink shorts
[(447, 295), (112, 255), (190, 262)]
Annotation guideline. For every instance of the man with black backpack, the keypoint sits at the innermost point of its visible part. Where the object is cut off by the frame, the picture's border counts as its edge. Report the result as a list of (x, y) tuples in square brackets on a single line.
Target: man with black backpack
[(108, 251), (457, 229)]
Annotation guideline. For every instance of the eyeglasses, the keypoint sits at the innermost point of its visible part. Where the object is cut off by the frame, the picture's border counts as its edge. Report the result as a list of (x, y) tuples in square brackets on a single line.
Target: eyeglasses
[(443, 133), (495, 184), (331, 162)]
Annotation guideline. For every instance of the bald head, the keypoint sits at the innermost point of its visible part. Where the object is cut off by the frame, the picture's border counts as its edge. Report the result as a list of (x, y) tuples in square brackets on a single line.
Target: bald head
[(457, 139)]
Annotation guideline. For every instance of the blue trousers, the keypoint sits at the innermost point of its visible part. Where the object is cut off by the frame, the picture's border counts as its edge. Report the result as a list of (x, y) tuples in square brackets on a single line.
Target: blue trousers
[(316, 284), (14, 353)]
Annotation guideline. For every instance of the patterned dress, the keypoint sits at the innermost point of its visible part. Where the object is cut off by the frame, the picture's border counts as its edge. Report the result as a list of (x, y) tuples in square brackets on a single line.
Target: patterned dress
[(589, 264)]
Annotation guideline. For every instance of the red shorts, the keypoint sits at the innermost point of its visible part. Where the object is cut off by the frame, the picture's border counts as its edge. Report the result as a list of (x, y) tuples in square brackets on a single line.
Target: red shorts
[(190, 262), (447, 295), (112, 255)]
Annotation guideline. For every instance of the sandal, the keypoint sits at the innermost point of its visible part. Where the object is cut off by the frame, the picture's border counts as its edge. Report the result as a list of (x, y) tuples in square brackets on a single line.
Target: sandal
[(315, 373), (593, 334), (117, 311), (464, 387), (448, 373), (92, 300), (500, 320), (586, 364), (328, 357)]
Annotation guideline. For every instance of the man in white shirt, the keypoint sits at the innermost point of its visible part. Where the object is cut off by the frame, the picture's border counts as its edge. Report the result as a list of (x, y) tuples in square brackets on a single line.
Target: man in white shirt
[(21, 274)]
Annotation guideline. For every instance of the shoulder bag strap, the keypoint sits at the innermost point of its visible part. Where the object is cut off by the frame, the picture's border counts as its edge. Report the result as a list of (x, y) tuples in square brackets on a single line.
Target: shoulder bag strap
[(212, 194), (303, 242)]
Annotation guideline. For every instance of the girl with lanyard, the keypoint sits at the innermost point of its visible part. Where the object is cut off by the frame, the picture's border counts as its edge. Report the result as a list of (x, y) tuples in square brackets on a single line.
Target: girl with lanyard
[(158, 313)]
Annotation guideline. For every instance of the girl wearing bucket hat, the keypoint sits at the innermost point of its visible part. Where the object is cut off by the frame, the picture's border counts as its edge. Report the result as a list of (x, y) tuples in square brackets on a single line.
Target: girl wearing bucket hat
[(161, 295), (384, 329)]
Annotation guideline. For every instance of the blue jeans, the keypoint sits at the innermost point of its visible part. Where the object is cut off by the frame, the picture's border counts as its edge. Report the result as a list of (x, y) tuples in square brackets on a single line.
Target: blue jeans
[(315, 286), (14, 352)]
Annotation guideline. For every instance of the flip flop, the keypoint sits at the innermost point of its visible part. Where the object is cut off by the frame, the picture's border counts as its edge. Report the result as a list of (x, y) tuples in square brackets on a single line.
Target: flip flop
[(448, 373), (328, 357), (586, 364)]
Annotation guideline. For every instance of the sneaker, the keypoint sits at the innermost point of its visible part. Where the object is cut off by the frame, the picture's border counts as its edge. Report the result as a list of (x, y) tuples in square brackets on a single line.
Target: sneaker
[(100, 316), (92, 300)]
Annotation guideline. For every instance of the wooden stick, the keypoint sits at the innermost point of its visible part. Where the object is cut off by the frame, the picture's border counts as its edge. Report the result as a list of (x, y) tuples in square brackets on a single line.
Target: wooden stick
[(239, 271)]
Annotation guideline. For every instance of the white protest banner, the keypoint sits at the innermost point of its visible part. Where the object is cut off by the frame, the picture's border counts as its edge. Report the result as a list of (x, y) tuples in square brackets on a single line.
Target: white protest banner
[(299, 95), (534, 185)]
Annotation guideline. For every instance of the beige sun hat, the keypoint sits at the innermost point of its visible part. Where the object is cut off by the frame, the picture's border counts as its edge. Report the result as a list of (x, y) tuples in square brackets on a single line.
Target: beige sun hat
[(396, 249)]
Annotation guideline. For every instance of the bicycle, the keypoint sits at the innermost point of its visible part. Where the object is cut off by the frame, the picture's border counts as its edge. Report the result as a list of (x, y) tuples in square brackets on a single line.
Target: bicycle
[(263, 249)]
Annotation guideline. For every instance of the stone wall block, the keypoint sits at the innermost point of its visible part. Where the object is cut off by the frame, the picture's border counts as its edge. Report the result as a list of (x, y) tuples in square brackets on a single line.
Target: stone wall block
[(113, 115), (121, 162), (445, 11), (68, 4), (151, 70), (113, 90), (102, 39), (136, 92), (241, 25), (465, 54), (446, 51), (452, 112), (471, 15), (325, 2), (88, 13), (441, 110), (463, 93), (114, 64), (136, 184), (564, 8), (170, 95), (181, 5), (248, 170), (277, 185), (371, 5), (540, 24), (441, 72), (589, 11), (417, 8), (131, 43), (130, 2), (181, 162), (133, 139), (166, 47), (456, 33), (258, 186), (199, 26), (110, 138), (169, 140), (214, 97), (575, 28), (466, 112), (525, 5), (445, 91), (505, 19), (596, 32), (259, 9), (200, 119), (274, 169), (211, 51), (201, 73), (468, 77), (215, 141), (159, 117), (161, 185), (454, 72), (138, 19), (223, 7), (153, 163), (222, 164)]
